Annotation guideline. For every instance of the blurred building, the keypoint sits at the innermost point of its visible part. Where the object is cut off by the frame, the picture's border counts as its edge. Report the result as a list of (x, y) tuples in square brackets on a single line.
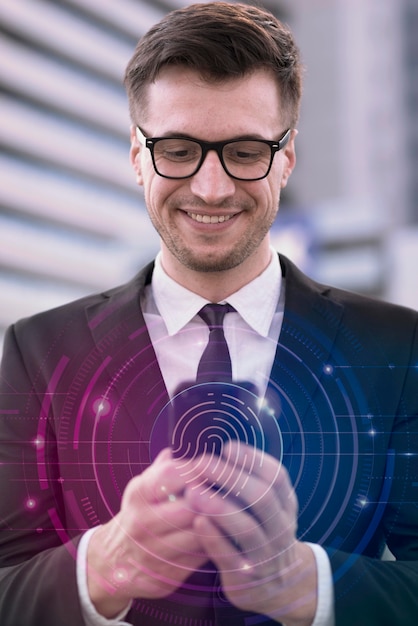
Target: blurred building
[(356, 174), (71, 217)]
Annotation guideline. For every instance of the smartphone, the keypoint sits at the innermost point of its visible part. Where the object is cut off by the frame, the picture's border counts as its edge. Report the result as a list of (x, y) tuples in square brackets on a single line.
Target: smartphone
[(202, 418)]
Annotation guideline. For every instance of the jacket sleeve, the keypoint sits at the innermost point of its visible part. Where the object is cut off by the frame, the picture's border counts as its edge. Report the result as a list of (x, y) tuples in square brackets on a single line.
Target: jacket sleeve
[(37, 559)]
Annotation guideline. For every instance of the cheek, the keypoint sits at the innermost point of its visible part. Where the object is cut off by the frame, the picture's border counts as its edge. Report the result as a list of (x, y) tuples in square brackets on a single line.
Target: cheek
[(271, 196), (152, 202), (158, 193)]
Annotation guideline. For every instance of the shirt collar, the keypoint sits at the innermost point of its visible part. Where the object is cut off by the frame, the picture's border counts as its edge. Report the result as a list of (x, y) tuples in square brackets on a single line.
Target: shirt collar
[(256, 302)]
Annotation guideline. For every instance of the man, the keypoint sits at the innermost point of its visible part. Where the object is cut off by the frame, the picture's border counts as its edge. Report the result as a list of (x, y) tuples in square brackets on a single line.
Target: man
[(290, 533)]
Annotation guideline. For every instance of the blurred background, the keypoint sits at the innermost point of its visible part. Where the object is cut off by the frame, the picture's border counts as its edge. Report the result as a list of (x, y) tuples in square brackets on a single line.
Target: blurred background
[(72, 220)]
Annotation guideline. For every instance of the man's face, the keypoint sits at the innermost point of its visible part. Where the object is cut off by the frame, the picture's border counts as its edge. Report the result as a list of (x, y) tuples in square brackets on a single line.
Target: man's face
[(211, 222)]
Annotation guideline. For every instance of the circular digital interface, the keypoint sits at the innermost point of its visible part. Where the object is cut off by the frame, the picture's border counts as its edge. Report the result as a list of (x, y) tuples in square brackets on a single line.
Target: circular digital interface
[(202, 418)]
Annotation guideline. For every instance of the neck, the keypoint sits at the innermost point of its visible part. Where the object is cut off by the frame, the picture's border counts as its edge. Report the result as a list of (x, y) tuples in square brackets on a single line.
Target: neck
[(216, 286)]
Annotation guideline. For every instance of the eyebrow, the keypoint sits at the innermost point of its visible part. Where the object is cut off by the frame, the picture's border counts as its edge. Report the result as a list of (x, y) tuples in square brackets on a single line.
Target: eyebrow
[(179, 135)]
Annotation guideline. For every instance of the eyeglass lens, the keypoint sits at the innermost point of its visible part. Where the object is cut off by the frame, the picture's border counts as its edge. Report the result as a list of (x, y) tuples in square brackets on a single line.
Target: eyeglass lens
[(247, 159)]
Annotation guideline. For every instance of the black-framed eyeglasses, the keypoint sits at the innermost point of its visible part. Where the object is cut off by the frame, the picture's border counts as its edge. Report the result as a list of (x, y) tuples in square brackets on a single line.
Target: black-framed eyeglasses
[(242, 159)]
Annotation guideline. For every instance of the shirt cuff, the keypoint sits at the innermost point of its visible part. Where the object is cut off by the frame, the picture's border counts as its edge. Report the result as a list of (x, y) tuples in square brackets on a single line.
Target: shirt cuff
[(90, 615), (325, 609)]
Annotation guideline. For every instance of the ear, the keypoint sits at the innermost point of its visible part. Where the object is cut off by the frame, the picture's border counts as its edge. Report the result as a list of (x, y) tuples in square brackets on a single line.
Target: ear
[(289, 154), (135, 156)]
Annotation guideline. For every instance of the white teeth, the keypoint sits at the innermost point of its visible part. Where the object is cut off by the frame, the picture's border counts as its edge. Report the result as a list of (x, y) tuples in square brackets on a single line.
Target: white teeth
[(209, 219)]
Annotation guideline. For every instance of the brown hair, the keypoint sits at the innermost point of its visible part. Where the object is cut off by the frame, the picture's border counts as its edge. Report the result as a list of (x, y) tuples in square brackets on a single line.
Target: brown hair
[(220, 41)]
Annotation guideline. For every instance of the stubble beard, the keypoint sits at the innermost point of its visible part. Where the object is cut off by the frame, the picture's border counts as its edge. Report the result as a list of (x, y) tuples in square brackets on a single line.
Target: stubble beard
[(217, 261), (212, 263)]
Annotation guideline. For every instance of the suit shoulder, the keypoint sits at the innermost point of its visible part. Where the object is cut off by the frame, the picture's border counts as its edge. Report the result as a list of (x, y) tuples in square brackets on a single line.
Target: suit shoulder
[(370, 305), (75, 313), (361, 310)]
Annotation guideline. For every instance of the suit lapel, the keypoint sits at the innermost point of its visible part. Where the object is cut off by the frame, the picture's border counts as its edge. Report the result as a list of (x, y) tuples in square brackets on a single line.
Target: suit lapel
[(309, 331), (131, 382), (304, 352)]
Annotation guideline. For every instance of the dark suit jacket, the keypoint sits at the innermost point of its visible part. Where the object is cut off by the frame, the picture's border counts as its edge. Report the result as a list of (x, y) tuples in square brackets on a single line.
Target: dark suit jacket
[(80, 392)]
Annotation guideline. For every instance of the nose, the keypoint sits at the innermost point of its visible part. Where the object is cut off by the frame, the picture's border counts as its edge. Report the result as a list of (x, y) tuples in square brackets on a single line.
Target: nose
[(211, 183)]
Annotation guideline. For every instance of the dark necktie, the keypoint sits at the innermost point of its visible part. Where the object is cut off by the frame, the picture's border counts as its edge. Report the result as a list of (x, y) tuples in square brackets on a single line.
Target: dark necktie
[(215, 363), (215, 366)]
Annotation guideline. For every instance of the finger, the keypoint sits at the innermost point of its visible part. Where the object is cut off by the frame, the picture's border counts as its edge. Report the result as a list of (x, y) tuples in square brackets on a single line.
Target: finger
[(268, 492), (260, 464), (159, 482), (231, 470), (234, 475), (242, 529), (226, 555), (239, 477), (269, 473)]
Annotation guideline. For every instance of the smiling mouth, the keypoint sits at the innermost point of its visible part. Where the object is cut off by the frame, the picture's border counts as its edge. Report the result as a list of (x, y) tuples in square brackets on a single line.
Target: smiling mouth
[(209, 219)]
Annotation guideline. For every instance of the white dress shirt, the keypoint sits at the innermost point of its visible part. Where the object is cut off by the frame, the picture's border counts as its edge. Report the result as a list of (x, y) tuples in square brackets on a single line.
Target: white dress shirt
[(179, 337)]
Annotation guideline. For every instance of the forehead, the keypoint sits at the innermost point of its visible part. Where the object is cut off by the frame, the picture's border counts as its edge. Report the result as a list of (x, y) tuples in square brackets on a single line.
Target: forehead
[(180, 100)]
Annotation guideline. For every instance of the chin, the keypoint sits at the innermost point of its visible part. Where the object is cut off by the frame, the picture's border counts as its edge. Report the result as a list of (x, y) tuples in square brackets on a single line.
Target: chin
[(206, 263)]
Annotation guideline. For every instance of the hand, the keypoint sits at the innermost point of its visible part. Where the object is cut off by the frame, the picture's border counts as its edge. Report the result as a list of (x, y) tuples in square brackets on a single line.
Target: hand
[(248, 529), (149, 548)]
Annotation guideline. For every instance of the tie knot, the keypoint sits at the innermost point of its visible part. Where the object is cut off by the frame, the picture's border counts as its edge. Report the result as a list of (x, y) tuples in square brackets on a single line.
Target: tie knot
[(213, 314)]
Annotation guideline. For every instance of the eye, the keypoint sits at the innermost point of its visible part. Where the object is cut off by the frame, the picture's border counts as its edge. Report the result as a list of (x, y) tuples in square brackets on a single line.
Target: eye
[(246, 151), (179, 150)]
